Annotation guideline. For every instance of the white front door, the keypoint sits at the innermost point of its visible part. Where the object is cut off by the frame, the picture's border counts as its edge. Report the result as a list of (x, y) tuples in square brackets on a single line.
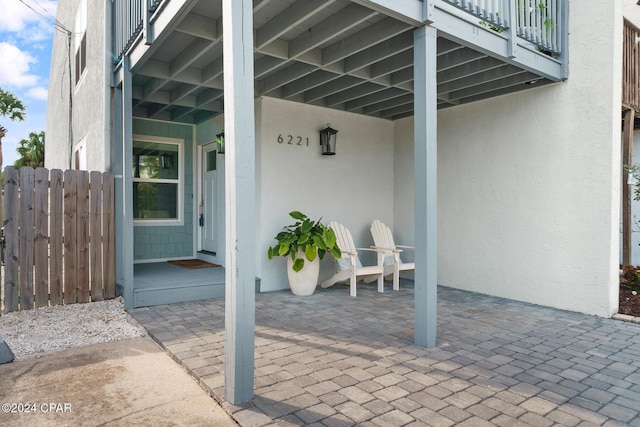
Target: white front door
[(209, 200)]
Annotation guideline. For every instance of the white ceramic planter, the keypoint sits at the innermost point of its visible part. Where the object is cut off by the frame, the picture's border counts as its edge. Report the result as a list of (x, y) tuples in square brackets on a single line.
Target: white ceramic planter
[(303, 282)]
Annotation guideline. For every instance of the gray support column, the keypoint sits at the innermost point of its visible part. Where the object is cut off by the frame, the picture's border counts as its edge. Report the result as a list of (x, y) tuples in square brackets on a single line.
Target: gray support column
[(116, 158), (239, 129), (426, 187), (127, 185)]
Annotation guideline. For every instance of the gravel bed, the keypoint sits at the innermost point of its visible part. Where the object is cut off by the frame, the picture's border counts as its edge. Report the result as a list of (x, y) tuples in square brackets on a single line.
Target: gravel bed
[(31, 333)]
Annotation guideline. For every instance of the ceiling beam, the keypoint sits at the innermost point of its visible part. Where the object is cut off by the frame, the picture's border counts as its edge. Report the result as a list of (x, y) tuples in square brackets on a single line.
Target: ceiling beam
[(283, 22), (308, 82), (374, 98), (400, 109), (284, 76), (386, 49), (514, 80), (332, 27), (332, 87), (468, 68), (188, 56), (370, 36), (479, 78), (389, 104), (201, 27), (392, 64), (353, 93)]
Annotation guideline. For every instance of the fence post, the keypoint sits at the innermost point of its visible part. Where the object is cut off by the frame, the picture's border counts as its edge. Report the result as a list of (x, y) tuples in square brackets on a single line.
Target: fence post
[(82, 237), (41, 242), (26, 234), (95, 236), (55, 256), (69, 275), (11, 178)]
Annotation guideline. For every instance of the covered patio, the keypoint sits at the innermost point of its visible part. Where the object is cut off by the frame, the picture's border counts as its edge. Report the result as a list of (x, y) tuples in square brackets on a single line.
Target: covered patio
[(381, 60), (337, 361)]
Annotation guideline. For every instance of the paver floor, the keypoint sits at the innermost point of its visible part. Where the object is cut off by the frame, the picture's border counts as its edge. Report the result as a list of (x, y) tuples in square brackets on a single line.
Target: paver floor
[(333, 360)]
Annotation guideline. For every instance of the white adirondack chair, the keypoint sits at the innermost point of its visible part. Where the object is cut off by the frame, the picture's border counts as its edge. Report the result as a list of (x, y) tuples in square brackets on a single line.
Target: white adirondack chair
[(383, 242), (349, 266)]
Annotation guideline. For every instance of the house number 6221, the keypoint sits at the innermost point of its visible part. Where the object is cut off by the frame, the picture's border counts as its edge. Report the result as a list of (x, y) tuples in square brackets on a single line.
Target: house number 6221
[(293, 140)]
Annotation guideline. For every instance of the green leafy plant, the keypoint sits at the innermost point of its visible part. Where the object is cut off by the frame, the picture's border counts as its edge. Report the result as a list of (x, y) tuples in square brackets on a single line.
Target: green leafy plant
[(31, 151), (312, 238), (631, 276)]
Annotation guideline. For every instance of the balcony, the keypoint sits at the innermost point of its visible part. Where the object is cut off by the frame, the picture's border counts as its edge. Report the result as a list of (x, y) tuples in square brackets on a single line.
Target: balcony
[(350, 55)]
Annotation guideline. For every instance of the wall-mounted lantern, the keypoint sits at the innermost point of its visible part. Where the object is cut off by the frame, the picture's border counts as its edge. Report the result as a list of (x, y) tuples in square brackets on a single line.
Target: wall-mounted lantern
[(328, 139), (165, 161), (220, 142)]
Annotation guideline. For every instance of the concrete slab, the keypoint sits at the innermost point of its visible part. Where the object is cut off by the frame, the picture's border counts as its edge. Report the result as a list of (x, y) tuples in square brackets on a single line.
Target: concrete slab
[(6, 355), (129, 382)]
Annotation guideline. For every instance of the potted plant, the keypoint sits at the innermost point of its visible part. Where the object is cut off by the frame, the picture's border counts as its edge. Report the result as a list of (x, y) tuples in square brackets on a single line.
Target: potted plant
[(304, 243)]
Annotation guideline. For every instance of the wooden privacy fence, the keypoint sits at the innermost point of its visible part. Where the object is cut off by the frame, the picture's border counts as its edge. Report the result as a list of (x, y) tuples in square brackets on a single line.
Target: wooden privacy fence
[(59, 236)]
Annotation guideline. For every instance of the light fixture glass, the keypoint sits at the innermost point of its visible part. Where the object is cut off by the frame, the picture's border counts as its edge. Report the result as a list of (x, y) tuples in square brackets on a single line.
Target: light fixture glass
[(220, 142), (328, 138)]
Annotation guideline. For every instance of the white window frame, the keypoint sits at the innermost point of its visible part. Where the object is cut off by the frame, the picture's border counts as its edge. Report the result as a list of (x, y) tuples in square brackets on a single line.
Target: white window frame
[(80, 155), (80, 42), (180, 181)]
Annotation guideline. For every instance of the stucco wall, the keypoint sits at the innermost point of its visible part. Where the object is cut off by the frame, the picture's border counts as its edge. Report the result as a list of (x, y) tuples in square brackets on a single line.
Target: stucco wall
[(90, 95), (528, 184), (354, 187), (631, 11)]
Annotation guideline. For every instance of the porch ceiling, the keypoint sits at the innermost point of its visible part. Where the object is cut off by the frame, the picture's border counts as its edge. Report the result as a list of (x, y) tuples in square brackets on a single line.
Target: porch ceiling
[(332, 53)]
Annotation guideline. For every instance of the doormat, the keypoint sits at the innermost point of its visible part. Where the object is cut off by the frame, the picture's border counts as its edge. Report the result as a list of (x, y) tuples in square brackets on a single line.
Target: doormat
[(192, 264)]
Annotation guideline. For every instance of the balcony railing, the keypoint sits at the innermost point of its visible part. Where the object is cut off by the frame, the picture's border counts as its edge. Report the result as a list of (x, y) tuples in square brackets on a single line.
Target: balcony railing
[(630, 74), (128, 22), (540, 22)]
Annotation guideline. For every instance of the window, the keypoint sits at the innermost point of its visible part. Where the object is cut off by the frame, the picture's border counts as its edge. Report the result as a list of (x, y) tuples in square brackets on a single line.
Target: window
[(157, 183), (80, 38), (80, 156)]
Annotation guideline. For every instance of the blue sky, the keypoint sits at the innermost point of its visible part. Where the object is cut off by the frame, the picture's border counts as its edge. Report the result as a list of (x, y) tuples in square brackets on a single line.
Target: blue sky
[(25, 49)]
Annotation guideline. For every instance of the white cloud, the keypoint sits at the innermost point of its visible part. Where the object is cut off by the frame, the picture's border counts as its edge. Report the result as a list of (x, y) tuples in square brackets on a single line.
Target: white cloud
[(38, 92), (16, 16), (15, 65)]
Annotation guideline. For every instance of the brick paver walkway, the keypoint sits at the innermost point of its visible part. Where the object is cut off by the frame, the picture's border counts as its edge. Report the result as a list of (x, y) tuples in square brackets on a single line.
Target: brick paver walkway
[(332, 360)]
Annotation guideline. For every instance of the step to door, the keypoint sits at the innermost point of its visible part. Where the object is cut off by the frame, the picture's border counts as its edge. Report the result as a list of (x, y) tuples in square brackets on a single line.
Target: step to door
[(147, 297)]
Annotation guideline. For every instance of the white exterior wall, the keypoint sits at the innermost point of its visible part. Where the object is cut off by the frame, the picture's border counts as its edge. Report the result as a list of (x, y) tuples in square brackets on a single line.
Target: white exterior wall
[(529, 183), (631, 11), (354, 187), (90, 95)]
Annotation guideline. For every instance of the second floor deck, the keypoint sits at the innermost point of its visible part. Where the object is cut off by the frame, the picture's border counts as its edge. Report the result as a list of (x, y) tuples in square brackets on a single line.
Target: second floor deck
[(351, 55)]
